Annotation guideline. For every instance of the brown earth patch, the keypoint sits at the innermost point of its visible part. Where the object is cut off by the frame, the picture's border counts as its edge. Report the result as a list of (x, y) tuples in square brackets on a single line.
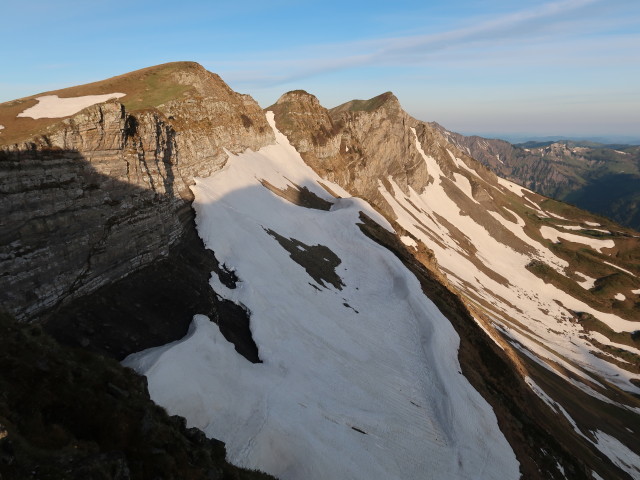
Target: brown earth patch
[(470, 250), (328, 189), (624, 359), (594, 298), (479, 215), (591, 324), (589, 412), (301, 196), (317, 260)]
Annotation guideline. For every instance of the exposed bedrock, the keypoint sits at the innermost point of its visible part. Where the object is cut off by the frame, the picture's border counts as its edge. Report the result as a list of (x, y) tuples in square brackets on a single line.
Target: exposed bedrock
[(105, 193)]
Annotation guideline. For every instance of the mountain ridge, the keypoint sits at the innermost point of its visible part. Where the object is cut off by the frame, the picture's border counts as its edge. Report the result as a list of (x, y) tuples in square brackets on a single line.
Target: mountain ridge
[(566, 170), (409, 172)]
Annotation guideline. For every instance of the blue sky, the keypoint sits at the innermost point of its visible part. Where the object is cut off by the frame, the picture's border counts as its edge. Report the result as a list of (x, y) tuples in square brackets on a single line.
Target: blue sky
[(567, 67)]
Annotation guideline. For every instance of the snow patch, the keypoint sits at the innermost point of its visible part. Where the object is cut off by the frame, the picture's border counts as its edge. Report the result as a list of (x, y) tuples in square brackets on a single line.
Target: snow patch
[(554, 215), (588, 282), (592, 224), (515, 188), (606, 341), (464, 184), (620, 296), (637, 292), (618, 453), (541, 393), (579, 228), (620, 268), (555, 235), (408, 241), (459, 163), (50, 106)]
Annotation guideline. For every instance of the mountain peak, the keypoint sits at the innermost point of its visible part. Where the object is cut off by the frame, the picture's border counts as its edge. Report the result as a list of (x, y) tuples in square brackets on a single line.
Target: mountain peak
[(298, 98), (386, 100), (143, 89)]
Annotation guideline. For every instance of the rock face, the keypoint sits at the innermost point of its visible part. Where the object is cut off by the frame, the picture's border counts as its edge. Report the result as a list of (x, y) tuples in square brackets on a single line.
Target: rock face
[(369, 138), (545, 170), (362, 142), (105, 192)]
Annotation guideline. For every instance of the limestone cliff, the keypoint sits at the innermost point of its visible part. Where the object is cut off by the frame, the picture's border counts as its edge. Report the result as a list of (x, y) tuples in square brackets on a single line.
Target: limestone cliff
[(98, 195), (362, 142)]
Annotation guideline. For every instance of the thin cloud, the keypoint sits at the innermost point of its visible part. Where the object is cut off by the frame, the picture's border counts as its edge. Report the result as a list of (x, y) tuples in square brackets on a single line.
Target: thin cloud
[(517, 26)]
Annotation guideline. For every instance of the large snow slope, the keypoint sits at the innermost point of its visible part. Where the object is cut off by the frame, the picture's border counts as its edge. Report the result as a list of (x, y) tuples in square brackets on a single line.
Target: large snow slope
[(358, 381), (535, 314)]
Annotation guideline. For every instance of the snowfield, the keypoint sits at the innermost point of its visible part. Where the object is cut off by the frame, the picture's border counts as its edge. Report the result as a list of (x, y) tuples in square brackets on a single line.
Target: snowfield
[(360, 381), (50, 106), (534, 314)]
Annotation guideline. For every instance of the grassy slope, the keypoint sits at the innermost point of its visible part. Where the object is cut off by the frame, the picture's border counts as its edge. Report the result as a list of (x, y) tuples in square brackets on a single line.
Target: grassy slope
[(67, 413), (146, 88), (615, 195), (363, 105)]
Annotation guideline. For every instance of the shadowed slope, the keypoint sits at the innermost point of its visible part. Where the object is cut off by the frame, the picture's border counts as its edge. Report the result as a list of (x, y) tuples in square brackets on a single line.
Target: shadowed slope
[(67, 413)]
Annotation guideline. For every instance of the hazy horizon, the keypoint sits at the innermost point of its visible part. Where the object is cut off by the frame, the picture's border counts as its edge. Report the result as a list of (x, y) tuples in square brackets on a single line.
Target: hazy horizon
[(556, 68)]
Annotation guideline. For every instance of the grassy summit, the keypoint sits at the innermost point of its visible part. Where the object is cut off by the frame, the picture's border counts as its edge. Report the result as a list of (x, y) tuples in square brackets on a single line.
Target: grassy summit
[(146, 88), (365, 105)]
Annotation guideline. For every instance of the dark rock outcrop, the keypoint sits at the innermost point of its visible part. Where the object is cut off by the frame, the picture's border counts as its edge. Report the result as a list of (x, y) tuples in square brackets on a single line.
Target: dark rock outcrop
[(362, 142), (68, 413)]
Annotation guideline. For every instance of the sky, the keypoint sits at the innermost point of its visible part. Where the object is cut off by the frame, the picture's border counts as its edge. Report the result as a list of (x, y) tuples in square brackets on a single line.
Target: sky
[(490, 67)]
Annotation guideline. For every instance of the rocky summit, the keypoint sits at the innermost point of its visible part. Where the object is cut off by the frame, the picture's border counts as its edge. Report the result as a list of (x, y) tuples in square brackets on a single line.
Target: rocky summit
[(332, 293)]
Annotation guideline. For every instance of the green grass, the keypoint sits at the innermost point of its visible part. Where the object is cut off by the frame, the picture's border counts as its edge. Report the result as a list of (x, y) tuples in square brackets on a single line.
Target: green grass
[(146, 88), (600, 298), (592, 324), (364, 105), (156, 88)]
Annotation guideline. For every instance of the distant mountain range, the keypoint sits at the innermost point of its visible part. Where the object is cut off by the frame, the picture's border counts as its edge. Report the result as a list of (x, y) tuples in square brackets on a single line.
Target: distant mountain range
[(517, 138), (601, 178)]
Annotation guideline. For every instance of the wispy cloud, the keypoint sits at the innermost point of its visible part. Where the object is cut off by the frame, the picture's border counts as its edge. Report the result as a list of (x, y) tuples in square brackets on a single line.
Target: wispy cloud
[(522, 26)]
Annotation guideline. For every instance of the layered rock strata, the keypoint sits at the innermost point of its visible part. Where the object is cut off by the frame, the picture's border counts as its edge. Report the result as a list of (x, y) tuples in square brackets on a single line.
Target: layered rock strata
[(105, 192)]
